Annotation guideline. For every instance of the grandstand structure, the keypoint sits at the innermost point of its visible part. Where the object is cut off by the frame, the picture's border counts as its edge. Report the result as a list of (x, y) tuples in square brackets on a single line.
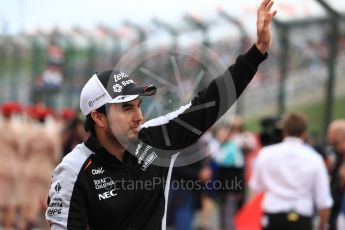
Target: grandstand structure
[(306, 61)]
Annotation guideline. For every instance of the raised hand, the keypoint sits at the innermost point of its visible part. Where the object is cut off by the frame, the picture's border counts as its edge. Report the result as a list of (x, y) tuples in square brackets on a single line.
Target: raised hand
[(263, 25)]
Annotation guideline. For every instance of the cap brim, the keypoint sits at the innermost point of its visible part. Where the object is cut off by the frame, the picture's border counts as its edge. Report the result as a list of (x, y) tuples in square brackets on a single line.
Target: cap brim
[(133, 93)]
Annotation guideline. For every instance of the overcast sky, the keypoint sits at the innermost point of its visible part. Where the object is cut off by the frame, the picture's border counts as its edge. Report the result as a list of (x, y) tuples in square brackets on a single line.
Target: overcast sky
[(28, 15)]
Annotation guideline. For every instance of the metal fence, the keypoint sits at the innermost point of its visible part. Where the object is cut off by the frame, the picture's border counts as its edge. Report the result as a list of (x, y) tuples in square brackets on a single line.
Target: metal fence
[(53, 66)]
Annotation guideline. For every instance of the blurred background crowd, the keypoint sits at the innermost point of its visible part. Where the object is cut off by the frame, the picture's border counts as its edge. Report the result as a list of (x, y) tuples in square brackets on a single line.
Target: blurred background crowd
[(43, 71)]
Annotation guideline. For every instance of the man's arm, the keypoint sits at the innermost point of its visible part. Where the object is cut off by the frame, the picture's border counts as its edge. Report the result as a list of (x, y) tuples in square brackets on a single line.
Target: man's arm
[(263, 25), (256, 183), (324, 217), (184, 126), (66, 204)]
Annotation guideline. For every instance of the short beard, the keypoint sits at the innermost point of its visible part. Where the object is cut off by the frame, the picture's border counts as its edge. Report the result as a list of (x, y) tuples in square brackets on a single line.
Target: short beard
[(124, 141), (110, 135)]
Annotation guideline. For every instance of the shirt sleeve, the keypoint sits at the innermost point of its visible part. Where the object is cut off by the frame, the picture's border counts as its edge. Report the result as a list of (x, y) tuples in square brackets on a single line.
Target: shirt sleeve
[(323, 196), (256, 183), (66, 203), (184, 126)]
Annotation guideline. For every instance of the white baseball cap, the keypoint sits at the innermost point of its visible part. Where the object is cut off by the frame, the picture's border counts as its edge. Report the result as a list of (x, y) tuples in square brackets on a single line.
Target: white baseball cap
[(110, 86)]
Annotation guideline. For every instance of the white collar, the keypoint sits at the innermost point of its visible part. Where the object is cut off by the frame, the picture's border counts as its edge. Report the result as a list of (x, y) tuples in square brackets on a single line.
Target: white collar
[(293, 139)]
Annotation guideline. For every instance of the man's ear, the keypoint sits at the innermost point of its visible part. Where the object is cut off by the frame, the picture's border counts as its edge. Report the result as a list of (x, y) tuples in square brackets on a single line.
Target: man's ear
[(98, 118)]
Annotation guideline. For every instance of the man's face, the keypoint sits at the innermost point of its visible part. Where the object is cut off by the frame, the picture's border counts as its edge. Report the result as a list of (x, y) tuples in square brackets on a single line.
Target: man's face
[(124, 120)]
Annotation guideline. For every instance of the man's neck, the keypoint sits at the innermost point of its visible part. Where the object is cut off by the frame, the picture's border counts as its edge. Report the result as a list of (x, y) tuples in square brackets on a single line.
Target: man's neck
[(117, 150), (113, 147)]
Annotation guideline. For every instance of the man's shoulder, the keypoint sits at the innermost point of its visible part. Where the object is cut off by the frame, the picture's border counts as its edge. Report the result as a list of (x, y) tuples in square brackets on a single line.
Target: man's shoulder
[(76, 158), (303, 151), (269, 149), (312, 154), (272, 152)]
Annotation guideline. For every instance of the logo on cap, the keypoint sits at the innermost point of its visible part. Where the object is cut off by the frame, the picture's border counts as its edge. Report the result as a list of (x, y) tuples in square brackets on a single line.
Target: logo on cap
[(119, 76), (117, 88), (96, 99)]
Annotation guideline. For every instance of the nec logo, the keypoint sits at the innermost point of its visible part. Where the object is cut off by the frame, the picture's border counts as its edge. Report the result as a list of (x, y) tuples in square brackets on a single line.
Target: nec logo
[(97, 171), (107, 195)]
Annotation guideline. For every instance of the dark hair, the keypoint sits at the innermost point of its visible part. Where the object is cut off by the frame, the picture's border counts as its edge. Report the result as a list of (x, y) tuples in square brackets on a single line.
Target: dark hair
[(271, 131), (89, 123), (295, 124)]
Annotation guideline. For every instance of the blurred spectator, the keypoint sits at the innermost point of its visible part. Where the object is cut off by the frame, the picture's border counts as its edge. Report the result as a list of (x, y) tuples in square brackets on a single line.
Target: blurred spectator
[(294, 179), (41, 152), (230, 174), (73, 133), (9, 155), (207, 202), (245, 140), (336, 139), (185, 200), (312, 141), (270, 131), (30, 160)]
